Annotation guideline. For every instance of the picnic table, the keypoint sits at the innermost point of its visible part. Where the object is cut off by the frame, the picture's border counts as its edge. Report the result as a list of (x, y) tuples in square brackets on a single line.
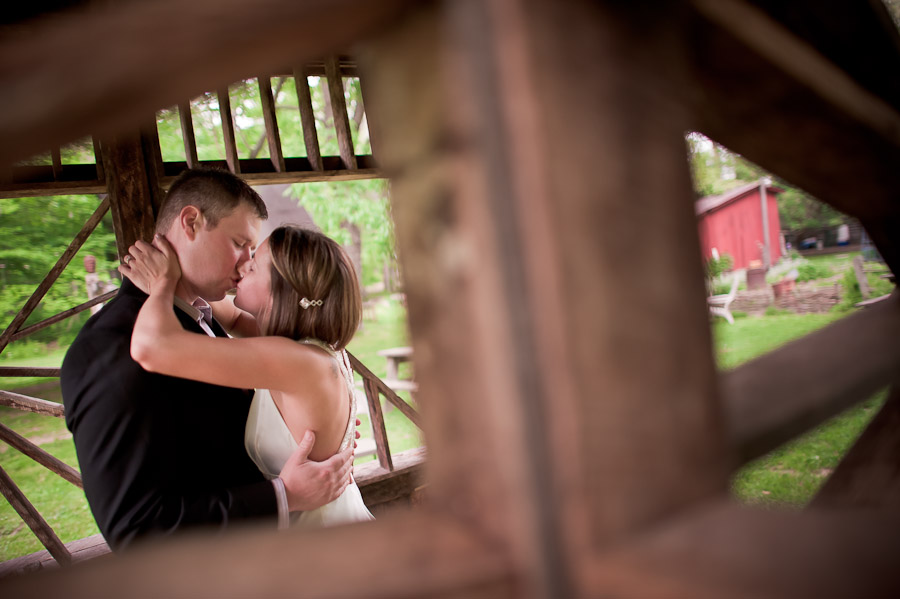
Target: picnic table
[(395, 356)]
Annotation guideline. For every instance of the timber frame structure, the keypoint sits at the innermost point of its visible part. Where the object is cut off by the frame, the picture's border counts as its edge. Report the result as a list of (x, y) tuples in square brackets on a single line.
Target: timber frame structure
[(529, 143)]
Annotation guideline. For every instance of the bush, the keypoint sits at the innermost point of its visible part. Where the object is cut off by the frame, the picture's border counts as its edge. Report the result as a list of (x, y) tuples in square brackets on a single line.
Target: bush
[(717, 266), (810, 271)]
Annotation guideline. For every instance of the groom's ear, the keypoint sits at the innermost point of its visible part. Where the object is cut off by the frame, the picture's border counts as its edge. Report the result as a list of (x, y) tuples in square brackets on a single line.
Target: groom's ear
[(190, 219)]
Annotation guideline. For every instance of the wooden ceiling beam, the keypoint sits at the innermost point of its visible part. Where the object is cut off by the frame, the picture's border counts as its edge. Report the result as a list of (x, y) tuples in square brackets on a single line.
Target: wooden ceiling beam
[(102, 71)]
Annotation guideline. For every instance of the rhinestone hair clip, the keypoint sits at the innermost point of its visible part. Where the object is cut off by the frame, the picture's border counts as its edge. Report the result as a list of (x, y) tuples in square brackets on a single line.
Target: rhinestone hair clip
[(306, 303)]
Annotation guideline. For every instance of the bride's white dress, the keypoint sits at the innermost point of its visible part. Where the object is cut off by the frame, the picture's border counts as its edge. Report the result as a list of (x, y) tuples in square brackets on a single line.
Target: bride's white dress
[(269, 443)]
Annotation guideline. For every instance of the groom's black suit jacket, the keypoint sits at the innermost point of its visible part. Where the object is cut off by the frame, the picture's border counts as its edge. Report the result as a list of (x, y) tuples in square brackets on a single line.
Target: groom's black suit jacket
[(157, 453)]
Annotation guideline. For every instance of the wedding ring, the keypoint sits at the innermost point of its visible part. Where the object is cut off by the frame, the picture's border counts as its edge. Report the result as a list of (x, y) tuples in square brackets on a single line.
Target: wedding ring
[(126, 259)]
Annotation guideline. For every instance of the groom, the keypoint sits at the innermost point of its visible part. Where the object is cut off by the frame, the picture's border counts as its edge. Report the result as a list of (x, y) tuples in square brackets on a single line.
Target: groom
[(160, 454)]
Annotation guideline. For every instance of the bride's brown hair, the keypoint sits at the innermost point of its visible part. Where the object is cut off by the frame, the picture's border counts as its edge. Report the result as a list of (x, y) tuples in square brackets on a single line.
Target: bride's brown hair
[(308, 264)]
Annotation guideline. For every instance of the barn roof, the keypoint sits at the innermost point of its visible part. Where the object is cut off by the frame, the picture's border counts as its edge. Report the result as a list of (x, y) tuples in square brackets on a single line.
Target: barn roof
[(710, 203)]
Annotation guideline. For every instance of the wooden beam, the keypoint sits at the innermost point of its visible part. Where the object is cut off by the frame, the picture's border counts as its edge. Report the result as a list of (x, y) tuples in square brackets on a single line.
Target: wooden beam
[(868, 477), (723, 550), (54, 273), (780, 395), (84, 91), (64, 315), (56, 161), (273, 138), (98, 160), (81, 549), (379, 485), (31, 404), (231, 154), (307, 118), (33, 519), (382, 447), (129, 190), (50, 462), (428, 556), (187, 133), (339, 112), (389, 394)]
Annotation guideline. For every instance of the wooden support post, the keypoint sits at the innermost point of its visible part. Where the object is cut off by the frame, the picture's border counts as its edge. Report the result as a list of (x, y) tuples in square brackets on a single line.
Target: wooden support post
[(187, 134), (98, 159), (56, 161), (130, 197), (231, 155), (307, 119), (382, 447), (33, 519), (860, 273), (339, 112), (272, 136)]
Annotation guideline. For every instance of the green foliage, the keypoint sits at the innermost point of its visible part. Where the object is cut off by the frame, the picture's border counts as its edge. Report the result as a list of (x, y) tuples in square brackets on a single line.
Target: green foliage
[(34, 232), (798, 210), (715, 267), (333, 206), (810, 271)]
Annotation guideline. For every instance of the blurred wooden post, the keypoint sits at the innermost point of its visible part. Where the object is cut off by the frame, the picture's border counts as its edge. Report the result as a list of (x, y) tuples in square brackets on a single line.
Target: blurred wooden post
[(129, 185), (580, 438)]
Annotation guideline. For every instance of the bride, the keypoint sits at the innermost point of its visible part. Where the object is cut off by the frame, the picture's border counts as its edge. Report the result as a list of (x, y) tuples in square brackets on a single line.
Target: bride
[(296, 309)]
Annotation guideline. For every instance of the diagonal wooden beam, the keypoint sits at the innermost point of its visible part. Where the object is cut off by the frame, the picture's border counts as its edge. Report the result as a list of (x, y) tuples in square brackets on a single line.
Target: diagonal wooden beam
[(64, 315), (32, 404), (33, 519), (54, 273), (40, 456), (780, 395)]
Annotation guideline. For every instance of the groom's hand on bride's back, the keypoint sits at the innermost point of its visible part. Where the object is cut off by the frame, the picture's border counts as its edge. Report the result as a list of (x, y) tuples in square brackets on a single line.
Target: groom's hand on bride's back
[(309, 484)]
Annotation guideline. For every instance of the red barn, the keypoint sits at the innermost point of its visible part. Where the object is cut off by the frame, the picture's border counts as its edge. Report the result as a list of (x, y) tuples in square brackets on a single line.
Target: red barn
[(732, 223)]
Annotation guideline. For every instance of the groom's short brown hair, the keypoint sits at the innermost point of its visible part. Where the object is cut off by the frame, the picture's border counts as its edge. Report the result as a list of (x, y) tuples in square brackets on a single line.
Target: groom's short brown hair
[(215, 192)]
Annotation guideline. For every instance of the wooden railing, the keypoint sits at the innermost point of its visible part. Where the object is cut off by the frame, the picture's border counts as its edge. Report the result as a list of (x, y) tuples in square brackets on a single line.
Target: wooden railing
[(381, 484)]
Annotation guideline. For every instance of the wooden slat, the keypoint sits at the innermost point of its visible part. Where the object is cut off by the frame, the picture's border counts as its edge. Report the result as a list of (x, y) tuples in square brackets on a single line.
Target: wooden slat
[(130, 197), (339, 112), (307, 118), (54, 273), (33, 519), (364, 94), (32, 404), (273, 138), (428, 556), (40, 456), (385, 390), (56, 161), (54, 188), (231, 154), (868, 476), (153, 162), (382, 447), (98, 159), (187, 133), (64, 315), (780, 395), (28, 371)]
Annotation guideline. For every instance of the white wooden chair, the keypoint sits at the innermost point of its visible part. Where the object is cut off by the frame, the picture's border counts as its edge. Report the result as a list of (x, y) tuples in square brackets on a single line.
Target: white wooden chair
[(720, 304)]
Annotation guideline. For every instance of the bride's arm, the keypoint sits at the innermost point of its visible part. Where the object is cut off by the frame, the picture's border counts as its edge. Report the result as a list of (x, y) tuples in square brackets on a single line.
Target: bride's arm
[(234, 320), (160, 344)]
